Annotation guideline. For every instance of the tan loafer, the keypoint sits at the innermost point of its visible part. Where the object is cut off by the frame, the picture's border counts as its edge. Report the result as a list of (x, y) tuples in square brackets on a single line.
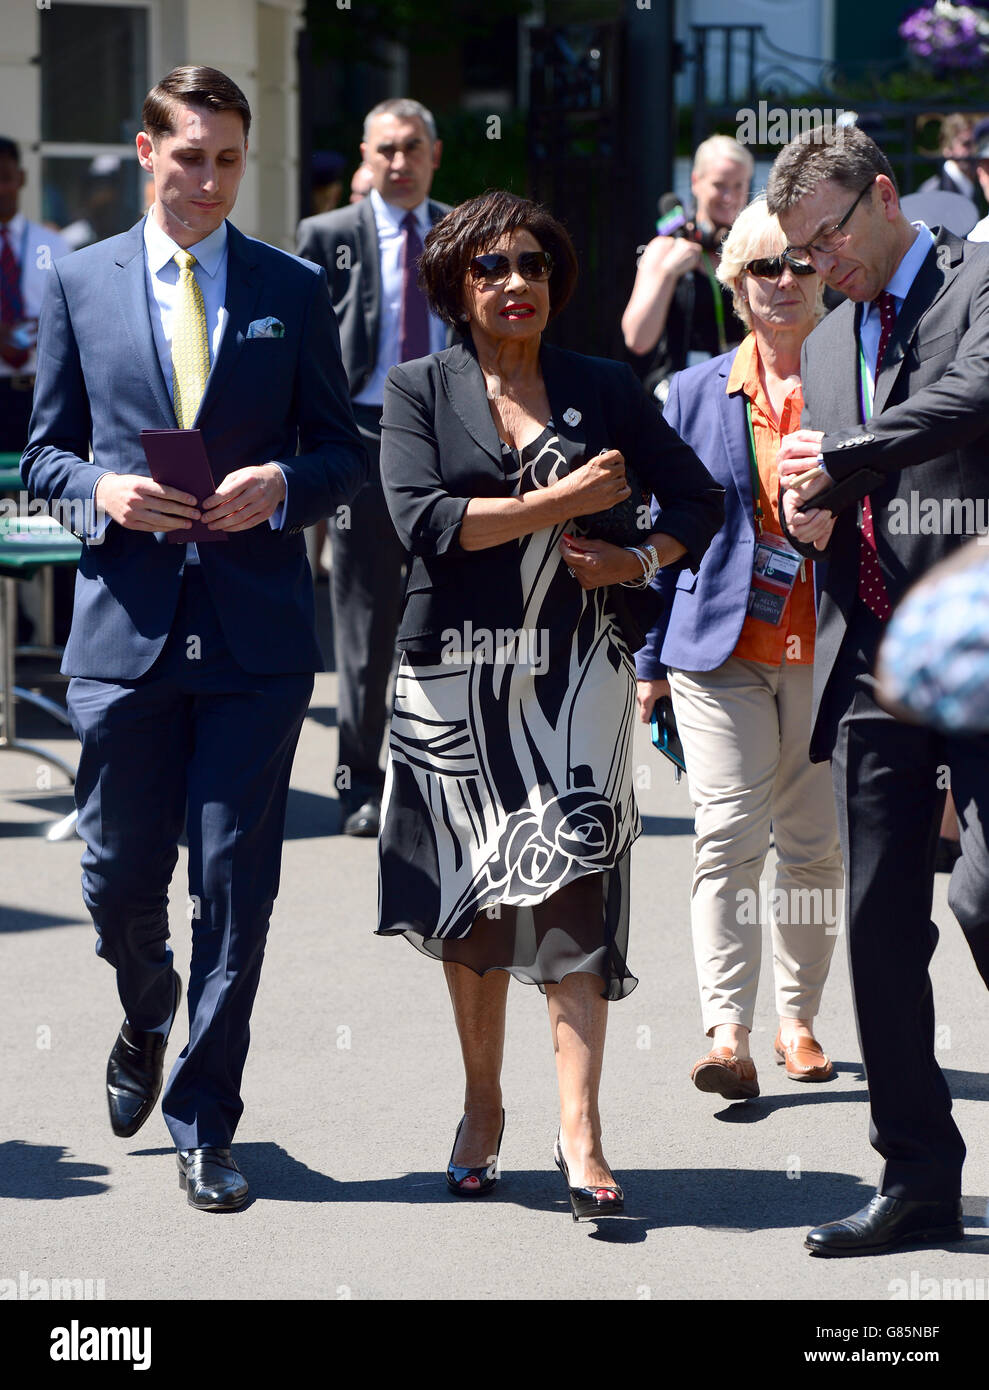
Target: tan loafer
[(726, 1075), (804, 1060)]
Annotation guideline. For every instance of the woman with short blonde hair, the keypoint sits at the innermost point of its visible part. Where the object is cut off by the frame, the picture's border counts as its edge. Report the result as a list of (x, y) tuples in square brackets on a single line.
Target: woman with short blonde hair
[(739, 645)]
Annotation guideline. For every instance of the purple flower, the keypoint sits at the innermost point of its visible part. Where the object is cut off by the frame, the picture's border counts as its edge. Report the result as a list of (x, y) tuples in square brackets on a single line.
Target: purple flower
[(948, 34)]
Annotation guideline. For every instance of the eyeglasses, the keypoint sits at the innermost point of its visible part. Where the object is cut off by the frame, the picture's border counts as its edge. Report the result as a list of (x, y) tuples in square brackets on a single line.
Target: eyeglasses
[(772, 267), (830, 239), (496, 268)]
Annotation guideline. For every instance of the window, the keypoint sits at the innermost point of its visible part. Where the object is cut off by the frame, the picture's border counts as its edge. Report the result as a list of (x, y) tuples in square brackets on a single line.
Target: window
[(94, 77)]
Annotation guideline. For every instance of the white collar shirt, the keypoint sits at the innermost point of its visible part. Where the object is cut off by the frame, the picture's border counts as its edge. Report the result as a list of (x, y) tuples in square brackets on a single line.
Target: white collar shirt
[(388, 219)]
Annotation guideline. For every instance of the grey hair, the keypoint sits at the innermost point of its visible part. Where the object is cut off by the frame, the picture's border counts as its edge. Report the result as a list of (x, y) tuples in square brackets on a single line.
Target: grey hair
[(404, 109), (844, 154)]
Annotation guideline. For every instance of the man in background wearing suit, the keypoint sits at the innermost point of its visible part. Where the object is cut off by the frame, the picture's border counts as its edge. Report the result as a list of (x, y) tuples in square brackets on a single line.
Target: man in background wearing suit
[(370, 251), (27, 251), (896, 389), (191, 665), (957, 144)]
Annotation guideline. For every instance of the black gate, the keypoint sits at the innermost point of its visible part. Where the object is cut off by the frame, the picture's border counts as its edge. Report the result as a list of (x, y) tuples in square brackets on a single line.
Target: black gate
[(600, 133)]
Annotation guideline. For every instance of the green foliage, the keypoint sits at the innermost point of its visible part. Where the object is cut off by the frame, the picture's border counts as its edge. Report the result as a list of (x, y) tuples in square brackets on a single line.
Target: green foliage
[(348, 30), (472, 162)]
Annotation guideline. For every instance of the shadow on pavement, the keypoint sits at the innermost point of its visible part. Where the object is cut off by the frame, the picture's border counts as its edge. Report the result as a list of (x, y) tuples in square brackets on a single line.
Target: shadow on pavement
[(667, 825), (967, 1085), (715, 1198), (310, 816), (23, 919), (326, 715), (44, 1172)]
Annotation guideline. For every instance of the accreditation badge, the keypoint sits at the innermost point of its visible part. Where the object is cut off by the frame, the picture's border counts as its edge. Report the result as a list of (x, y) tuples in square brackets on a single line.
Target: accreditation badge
[(774, 573)]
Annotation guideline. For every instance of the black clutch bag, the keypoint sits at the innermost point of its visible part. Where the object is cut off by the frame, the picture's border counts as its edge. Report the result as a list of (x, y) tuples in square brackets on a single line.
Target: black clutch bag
[(627, 523)]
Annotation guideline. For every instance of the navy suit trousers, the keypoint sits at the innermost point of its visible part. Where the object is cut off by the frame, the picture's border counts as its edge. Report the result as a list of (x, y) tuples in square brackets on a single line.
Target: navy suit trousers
[(197, 743)]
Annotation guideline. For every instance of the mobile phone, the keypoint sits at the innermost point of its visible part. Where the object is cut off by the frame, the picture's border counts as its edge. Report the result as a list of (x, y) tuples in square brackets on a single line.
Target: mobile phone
[(666, 737)]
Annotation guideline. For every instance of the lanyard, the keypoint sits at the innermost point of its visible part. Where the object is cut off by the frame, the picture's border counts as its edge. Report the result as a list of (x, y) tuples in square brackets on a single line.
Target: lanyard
[(867, 394), (719, 305), (756, 489)]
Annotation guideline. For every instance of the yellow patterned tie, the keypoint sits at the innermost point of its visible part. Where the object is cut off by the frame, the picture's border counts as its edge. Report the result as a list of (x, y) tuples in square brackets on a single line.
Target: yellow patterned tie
[(190, 344)]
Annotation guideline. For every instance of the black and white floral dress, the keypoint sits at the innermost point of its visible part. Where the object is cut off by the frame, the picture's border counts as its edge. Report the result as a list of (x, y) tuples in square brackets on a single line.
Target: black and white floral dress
[(508, 811)]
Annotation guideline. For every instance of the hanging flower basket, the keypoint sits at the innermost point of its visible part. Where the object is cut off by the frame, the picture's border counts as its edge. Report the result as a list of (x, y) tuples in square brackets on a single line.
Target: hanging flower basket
[(950, 38)]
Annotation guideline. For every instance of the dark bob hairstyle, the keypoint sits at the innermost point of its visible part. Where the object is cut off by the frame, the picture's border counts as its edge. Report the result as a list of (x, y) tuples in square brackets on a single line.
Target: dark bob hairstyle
[(471, 230)]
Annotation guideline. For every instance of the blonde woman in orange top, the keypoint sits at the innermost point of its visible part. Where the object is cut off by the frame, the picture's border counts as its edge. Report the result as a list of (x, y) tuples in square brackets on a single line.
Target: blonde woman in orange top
[(736, 644)]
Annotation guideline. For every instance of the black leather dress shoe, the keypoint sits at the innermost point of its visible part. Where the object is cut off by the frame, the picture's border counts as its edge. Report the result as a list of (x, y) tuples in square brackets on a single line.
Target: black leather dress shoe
[(134, 1072), (211, 1179), (365, 822), (886, 1222)]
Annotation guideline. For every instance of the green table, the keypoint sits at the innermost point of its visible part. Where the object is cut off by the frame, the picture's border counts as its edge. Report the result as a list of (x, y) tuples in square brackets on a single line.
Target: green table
[(28, 544)]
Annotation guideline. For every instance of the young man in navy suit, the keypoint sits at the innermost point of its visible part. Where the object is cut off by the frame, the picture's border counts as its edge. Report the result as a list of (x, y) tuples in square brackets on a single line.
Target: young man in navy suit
[(191, 665)]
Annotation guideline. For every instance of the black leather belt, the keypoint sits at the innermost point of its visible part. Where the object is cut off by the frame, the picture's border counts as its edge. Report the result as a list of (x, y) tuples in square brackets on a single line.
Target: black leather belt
[(18, 383)]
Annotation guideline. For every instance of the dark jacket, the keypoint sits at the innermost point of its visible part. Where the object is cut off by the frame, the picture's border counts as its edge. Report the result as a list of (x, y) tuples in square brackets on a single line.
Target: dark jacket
[(345, 243), (926, 442), (267, 399), (440, 448)]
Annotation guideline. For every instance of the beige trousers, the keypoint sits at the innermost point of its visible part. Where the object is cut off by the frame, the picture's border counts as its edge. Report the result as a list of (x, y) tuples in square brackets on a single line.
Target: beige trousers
[(745, 728)]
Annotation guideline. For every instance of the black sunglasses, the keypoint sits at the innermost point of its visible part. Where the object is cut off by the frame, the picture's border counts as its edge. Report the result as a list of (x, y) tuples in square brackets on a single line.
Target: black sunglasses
[(496, 268), (772, 267)]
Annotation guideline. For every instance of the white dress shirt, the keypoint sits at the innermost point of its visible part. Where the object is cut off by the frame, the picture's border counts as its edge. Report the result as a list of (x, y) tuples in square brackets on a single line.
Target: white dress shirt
[(391, 239), (162, 278), (210, 272), (35, 248)]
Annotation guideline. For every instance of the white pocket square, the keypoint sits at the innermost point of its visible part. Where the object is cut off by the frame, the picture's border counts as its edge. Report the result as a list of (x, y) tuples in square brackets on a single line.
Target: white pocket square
[(266, 328)]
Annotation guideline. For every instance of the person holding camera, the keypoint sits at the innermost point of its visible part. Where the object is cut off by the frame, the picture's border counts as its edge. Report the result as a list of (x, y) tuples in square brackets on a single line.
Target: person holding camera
[(678, 314), (738, 639)]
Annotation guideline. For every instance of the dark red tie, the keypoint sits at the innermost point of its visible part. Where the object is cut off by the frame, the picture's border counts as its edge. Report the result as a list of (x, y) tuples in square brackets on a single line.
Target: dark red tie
[(872, 587), (11, 304), (11, 307), (413, 333)]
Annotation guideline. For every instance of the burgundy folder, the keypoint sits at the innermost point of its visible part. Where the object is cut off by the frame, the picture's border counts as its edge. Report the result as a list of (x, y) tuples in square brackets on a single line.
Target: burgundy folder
[(177, 458)]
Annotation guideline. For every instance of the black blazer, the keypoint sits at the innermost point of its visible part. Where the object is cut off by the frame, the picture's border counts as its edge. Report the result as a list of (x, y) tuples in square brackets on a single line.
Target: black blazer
[(345, 243), (927, 440), (440, 448)]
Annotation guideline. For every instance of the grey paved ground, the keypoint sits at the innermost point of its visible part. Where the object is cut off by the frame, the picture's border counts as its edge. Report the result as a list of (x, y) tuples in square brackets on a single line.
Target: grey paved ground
[(353, 1091)]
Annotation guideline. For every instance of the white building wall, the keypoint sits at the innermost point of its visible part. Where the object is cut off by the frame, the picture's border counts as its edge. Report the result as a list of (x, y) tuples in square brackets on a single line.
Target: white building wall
[(253, 41)]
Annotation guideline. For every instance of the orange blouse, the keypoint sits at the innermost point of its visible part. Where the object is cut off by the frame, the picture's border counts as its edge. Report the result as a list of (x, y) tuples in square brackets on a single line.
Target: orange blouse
[(793, 639)]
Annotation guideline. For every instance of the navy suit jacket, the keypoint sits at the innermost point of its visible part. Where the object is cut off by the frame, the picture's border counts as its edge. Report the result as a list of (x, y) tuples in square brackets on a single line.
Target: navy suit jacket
[(282, 400), (703, 614)]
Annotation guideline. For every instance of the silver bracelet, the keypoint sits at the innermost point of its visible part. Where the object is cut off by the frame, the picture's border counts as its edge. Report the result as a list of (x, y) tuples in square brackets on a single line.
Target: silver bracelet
[(649, 563)]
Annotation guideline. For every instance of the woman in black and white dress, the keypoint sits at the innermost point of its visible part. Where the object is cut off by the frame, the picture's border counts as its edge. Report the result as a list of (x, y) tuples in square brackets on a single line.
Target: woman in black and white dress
[(509, 811)]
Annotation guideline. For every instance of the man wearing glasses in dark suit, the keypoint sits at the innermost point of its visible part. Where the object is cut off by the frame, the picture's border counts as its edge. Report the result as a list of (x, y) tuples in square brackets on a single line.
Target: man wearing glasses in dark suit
[(896, 385)]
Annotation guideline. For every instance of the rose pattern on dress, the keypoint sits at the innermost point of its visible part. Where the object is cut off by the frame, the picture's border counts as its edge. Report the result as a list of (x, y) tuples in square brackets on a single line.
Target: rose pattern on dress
[(525, 862), (582, 825)]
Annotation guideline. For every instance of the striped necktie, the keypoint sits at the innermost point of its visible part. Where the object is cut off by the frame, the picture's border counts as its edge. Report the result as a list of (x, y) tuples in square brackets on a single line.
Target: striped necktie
[(190, 343), (872, 586)]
